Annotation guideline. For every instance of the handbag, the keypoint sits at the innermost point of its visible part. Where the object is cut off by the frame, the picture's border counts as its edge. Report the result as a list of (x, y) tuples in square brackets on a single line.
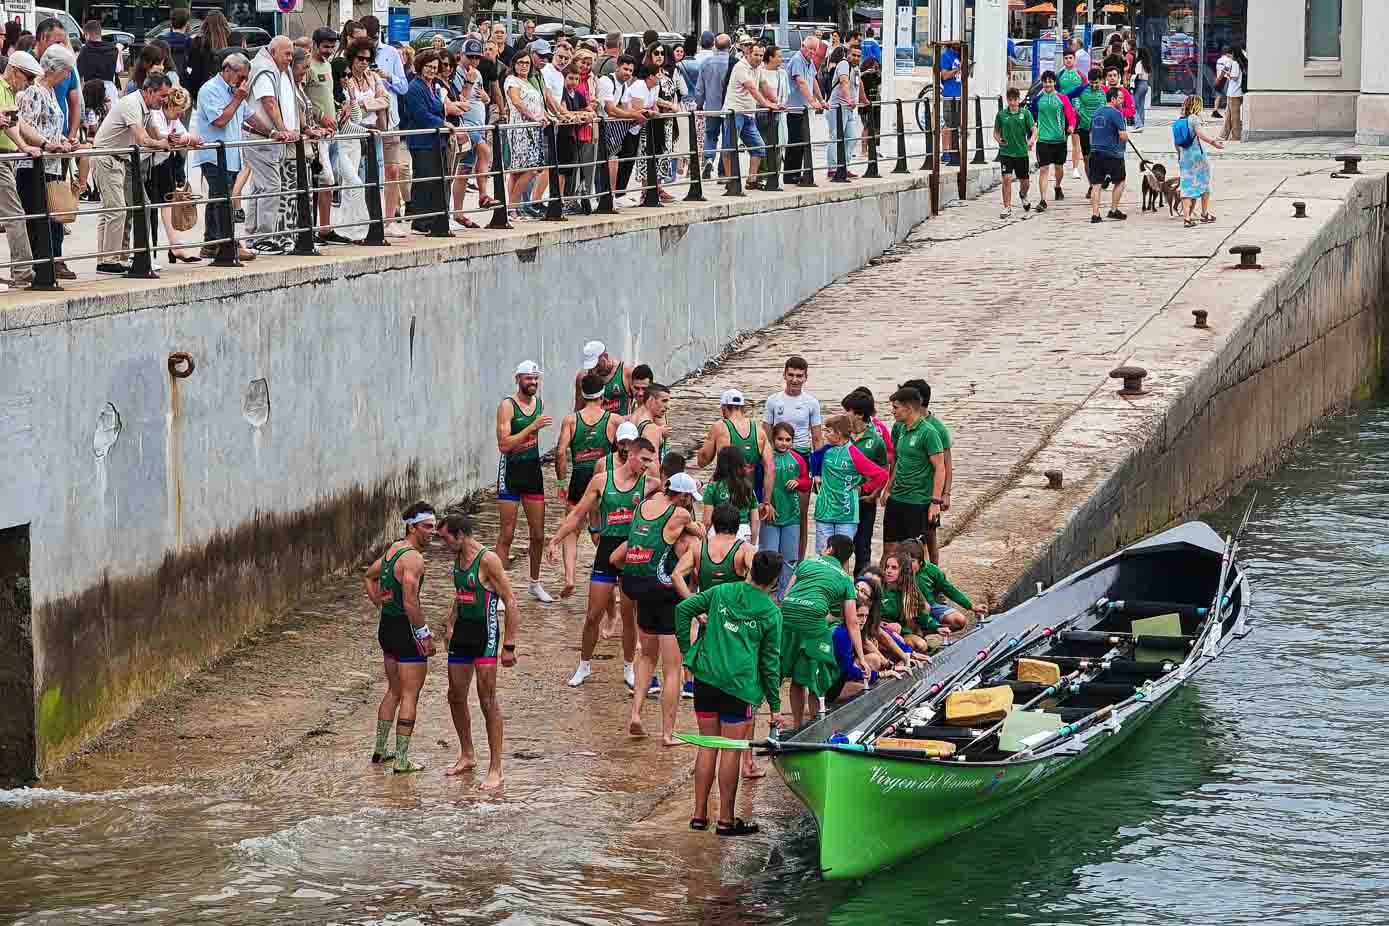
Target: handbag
[(62, 199), (184, 214)]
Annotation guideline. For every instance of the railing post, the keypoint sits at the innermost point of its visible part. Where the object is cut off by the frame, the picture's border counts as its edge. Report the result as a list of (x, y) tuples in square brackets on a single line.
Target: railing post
[(142, 257), (901, 166), (651, 192), (554, 211), (772, 181), (499, 217), (962, 130), (227, 252), (808, 159), (439, 225), (600, 172), (978, 133), (841, 149), (376, 228), (930, 135), (45, 271), (871, 173), (696, 191), (734, 186), (303, 240)]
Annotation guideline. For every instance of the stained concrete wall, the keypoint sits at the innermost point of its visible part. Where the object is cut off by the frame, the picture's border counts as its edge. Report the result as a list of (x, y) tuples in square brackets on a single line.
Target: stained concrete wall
[(1295, 341), (171, 516)]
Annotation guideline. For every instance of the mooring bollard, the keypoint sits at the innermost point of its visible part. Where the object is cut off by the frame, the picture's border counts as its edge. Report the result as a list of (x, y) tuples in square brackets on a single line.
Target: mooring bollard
[(1133, 379), (1054, 478), (1248, 256), (1299, 210), (1200, 315)]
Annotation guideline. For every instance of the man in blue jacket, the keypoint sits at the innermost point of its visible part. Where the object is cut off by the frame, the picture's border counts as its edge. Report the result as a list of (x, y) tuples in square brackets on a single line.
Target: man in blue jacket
[(708, 96)]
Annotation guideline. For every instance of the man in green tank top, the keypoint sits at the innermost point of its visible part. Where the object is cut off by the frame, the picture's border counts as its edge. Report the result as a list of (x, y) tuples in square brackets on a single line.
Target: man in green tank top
[(481, 589), (735, 429), (585, 437), (650, 418), (721, 557), (393, 583), (616, 378), (520, 481), (614, 493)]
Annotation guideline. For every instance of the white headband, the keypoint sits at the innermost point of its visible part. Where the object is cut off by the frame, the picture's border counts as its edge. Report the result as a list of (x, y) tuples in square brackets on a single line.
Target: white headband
[(422, 516), (595, 395)]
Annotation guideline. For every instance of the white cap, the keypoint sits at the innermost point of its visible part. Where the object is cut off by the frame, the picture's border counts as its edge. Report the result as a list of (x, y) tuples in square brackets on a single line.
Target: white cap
[(26, 63), (684, 483), (528, 368), (627, 431), (592, 351), (731, 397)]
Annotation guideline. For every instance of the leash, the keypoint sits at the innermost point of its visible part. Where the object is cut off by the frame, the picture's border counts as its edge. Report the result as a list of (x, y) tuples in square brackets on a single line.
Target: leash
[(1142, 161)]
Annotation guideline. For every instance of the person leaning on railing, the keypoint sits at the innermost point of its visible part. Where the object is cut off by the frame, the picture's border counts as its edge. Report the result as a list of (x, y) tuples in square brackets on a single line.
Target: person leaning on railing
[(167, 170), (220, 111), (16, 136), (39, 108), (123, 127), (274, 115), (421, 108), (776, 86)]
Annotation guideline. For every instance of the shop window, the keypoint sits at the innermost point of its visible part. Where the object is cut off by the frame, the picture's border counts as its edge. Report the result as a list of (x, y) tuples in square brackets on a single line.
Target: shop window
[(1322, 39)]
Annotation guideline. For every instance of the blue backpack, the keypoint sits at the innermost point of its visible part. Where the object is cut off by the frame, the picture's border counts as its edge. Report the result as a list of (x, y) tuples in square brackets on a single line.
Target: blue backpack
[(1182, 135)]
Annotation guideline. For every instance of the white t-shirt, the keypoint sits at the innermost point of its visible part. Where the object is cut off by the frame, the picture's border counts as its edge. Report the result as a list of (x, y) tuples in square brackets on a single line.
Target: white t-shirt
[(1234, 86), (738, 98), (267, 81), (554, 80), (641, 96), (610, 89), (800, 411)]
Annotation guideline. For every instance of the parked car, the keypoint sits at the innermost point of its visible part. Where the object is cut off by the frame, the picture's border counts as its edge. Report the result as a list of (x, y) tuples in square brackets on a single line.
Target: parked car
[(423, 36), (70, 25), (667, 38)]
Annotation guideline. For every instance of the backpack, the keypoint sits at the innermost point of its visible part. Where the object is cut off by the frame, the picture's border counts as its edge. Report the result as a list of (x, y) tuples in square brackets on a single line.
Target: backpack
[(826, 78), (1182, 135)]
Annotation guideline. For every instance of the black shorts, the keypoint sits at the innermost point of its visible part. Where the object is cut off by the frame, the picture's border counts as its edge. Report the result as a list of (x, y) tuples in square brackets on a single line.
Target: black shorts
[(711, 700), (905, 521), (520, 479), (603, 569), (398, 641), (476, 642), (578, 483), (655, 604), (1106, 167), (950, 112), (1018, 167), (1084, 136), (1051, 152)]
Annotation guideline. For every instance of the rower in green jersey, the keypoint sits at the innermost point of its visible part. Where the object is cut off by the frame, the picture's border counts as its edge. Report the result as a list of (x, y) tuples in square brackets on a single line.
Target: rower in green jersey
[(616, 378), (650, 418), (723, 556), (585, 437), (790, 477), (1015, 131), (614, 493), (1055, 121), (844, 469), (520, 481), (1068, 83), (735, 429), (948, 458), (821, 593), (476, 641), (732, 486)]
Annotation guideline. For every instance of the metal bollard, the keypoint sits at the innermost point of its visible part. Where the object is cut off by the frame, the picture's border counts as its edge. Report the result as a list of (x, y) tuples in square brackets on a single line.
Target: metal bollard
[(45, 271), (499, 218), (871, 173), (901, 166), (227, 251), (376, 228), (841, 149), (734, 186), (978, 133), (772, 178), (651, 194), (930, 136), (439, 224), (142, 258), (808, 160), (605, 199), (303, 241), (696, 191), (554, 210)]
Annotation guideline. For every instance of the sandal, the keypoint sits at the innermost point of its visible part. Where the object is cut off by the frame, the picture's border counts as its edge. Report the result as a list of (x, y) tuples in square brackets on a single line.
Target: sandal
[(699, 823), (1207, 218), (1189, 223), (487, 202), (739, 827)]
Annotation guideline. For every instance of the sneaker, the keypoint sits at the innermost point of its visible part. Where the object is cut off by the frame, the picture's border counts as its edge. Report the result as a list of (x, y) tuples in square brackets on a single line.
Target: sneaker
[(1075, 173), (397, 230), (687, 690), (1060, 195), (1215, 114), (708, 171), (61, 271), (581, 674), (1095, 220), (629, 677), (1117, 215), (112, 268), (1105, 184), (539, 594), (1042, 206), (333, 237), (655, 688), (377, 757), (410, 765), (1026, 206), (267, 246), (1006, 214)]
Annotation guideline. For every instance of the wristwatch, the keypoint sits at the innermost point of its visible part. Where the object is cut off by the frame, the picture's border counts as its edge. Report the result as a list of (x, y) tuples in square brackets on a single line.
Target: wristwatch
[(937, 501), (509, 647)]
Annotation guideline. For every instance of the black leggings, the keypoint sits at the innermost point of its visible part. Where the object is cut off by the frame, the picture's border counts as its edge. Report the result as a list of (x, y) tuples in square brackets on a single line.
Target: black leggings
[(32, 203)]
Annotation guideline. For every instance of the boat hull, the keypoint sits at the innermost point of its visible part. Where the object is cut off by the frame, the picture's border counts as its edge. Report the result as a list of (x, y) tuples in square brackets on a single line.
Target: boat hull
[(873, 812)]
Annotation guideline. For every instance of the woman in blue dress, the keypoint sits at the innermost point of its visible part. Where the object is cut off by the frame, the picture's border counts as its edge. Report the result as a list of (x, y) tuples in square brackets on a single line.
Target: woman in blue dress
[(1195, 166)]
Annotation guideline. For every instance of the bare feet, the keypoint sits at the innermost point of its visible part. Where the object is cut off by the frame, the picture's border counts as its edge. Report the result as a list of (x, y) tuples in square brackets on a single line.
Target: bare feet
[(752, 770), (567, 590), (464, 764), (608, 629), (668, 740), (492, 782), (634, 728)]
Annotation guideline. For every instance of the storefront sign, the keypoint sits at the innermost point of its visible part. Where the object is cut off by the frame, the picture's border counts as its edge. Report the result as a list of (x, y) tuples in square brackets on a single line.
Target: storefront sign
[(905, 55)]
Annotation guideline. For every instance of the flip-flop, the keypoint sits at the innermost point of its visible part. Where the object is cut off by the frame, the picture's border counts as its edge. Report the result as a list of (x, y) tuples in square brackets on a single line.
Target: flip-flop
[(739, 827), (699, 823)]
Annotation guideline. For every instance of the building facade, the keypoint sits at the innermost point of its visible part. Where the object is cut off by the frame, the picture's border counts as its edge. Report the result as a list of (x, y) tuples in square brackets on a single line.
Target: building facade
[(1319, 67)]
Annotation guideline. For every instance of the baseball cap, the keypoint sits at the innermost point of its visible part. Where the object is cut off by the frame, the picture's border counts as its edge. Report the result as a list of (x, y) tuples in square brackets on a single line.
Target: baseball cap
[(324, 34), (627, 431), (26, 63), (472, 47), (685, 484), (540, 47), (528, 368), (744, 39), (706, 39), (731, 397), (592, 351)]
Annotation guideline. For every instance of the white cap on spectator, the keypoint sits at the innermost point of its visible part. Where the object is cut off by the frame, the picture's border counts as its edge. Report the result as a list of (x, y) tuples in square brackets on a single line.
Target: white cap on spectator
[(592, 351), (626, 431), (731, 397), (528, 368), (25, 62), (684, 483)]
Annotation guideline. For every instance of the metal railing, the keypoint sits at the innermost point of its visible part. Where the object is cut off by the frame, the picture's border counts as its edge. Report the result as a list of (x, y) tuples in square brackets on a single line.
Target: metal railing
[(561, 198)]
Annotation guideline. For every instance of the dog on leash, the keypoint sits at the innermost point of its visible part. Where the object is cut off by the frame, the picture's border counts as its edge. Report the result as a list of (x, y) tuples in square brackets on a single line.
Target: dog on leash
[(1157, 188)]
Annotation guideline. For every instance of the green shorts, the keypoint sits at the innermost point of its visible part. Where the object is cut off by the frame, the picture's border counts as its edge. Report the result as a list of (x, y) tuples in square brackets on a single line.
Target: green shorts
[(807, 656)]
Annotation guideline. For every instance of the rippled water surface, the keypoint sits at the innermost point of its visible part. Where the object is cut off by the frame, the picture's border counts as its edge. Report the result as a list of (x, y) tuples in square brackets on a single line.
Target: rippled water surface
[(1255, 796)]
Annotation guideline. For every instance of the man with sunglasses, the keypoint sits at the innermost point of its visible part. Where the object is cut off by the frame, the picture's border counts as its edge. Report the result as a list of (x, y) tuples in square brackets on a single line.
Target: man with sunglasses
[(318, 87), (474, 96)]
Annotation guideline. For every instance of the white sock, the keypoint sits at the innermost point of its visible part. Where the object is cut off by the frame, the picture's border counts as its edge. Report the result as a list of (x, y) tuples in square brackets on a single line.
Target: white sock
[(581, 673)]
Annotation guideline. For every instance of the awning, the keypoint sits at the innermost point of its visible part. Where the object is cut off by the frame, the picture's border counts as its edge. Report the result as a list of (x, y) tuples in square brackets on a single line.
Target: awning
[(1108, 8), (613, 15), (1041, 8)]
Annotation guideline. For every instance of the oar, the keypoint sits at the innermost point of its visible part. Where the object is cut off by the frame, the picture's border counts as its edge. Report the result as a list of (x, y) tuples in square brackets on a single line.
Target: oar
[(1216, 615), (721, 742), (1063, 683)]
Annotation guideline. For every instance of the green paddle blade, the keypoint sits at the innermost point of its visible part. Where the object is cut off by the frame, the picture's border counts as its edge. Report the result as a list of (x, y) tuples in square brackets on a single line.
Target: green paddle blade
[(714, 742)]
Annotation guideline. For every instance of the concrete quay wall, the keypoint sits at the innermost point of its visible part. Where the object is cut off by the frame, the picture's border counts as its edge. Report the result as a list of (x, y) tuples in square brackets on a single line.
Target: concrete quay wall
[(170, 516), (1288, 344)]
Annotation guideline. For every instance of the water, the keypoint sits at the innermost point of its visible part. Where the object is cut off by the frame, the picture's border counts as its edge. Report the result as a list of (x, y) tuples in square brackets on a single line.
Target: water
[(1253, 797)]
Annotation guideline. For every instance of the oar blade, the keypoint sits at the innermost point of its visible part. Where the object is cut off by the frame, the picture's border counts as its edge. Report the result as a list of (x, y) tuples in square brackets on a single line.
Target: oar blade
[(712, 742)]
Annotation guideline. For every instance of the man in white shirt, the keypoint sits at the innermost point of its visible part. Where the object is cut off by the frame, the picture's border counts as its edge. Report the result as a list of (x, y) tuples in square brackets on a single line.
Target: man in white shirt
[(801, 410), (274, 114), (553, 73), (616, 101), (1234, 95), (1221, 64), (744, 97), (845, 99)]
